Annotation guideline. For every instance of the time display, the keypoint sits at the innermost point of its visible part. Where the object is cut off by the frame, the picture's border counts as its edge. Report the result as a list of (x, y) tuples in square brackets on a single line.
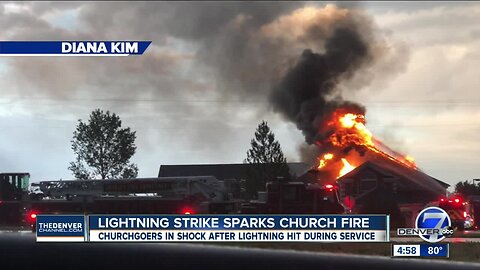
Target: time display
[(406, 250)]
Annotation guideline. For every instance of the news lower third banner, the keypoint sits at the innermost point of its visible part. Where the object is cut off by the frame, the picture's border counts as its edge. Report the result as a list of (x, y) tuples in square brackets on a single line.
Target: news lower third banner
[(214, 228), (73, 48)]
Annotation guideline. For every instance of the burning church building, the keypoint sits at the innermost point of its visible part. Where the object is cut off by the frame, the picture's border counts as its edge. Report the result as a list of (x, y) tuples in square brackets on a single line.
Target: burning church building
[(369, 176), (312, 94), (313, 62)]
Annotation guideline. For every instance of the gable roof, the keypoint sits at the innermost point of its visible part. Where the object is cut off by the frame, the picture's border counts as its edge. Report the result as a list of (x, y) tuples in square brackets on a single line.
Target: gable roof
[(221, 171), (413, 176)]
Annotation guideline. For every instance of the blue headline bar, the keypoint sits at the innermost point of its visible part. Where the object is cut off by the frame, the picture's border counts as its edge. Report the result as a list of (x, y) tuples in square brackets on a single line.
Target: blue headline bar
[(238, 222)]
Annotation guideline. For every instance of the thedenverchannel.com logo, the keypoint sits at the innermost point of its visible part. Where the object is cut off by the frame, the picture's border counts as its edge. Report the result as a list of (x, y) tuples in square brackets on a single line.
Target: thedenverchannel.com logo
[(432, 225), (60, 228)]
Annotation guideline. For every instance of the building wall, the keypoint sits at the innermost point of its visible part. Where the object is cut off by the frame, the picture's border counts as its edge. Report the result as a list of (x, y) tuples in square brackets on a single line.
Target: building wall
[(410, 212), (363, 182), (362, 185)]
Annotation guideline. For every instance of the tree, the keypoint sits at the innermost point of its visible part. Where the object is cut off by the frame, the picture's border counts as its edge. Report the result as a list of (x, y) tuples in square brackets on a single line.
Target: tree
[(466, 188), (266, 159), (103, 148)]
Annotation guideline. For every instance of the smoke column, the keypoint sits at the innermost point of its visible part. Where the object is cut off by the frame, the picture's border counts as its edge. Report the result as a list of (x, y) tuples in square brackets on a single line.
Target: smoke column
[(308, 93)]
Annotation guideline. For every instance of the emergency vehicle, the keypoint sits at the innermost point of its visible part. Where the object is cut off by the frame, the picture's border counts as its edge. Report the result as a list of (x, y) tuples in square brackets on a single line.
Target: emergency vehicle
[(13, 190), (285, 197), (474, 209), (162, 195), (171, 195), (459, 210)]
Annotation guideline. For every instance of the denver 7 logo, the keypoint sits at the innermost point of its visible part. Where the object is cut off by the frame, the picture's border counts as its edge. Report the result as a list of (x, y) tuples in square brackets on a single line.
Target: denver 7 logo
[(434, 218)]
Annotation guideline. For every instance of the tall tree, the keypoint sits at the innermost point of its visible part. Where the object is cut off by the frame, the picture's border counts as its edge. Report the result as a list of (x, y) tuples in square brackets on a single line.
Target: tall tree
[(266, 159), (466, 188), (103, 148)]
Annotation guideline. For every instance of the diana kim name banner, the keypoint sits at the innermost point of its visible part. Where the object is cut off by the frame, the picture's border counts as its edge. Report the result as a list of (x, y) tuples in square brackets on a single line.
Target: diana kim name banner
[(73, 48), (234, 228)]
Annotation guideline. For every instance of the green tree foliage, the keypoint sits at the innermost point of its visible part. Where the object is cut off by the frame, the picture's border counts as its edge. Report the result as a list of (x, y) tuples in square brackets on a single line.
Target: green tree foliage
[(467, 188), (103, 148), (266, 160)]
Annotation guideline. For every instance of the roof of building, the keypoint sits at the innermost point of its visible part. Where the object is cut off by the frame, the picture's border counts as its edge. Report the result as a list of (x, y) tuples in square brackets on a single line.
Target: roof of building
[(413, 178), (221, 171), (14, 173)]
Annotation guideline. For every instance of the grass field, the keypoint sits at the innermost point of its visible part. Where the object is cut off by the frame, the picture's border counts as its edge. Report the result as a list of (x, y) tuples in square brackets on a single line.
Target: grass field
[(466, 252)]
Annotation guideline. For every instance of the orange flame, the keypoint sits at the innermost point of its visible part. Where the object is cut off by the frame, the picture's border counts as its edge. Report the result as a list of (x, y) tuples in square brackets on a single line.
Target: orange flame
[(323, 161), (347, 167), (350, 130), (360, 136)]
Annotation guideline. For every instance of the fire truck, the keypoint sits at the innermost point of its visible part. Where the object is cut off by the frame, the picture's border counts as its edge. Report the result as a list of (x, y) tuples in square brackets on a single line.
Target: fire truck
[(13, 190), (162, 195), (460, 211), (474, 210), (166, 195), (284, 197)]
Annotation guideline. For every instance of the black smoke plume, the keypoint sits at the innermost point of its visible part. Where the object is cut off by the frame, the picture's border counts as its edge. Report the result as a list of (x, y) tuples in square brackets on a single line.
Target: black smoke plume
[(308, 94)]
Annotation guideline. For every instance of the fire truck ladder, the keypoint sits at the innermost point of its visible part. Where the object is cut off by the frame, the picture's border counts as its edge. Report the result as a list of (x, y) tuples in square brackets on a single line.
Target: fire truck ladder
[(167, 187)]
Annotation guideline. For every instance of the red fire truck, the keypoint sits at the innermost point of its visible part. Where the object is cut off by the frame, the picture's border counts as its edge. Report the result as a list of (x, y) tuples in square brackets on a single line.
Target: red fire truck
[(163, 195), (13, 190), (461, 211), (283, 197), (170, 195)]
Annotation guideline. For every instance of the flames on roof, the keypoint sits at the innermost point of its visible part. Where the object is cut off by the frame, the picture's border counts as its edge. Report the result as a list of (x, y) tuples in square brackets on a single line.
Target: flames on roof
[(347, 141), (348, 144)]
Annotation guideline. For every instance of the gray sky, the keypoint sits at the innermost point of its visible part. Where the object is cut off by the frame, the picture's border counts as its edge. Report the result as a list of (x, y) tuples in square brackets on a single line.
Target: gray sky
[(198, 92)]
